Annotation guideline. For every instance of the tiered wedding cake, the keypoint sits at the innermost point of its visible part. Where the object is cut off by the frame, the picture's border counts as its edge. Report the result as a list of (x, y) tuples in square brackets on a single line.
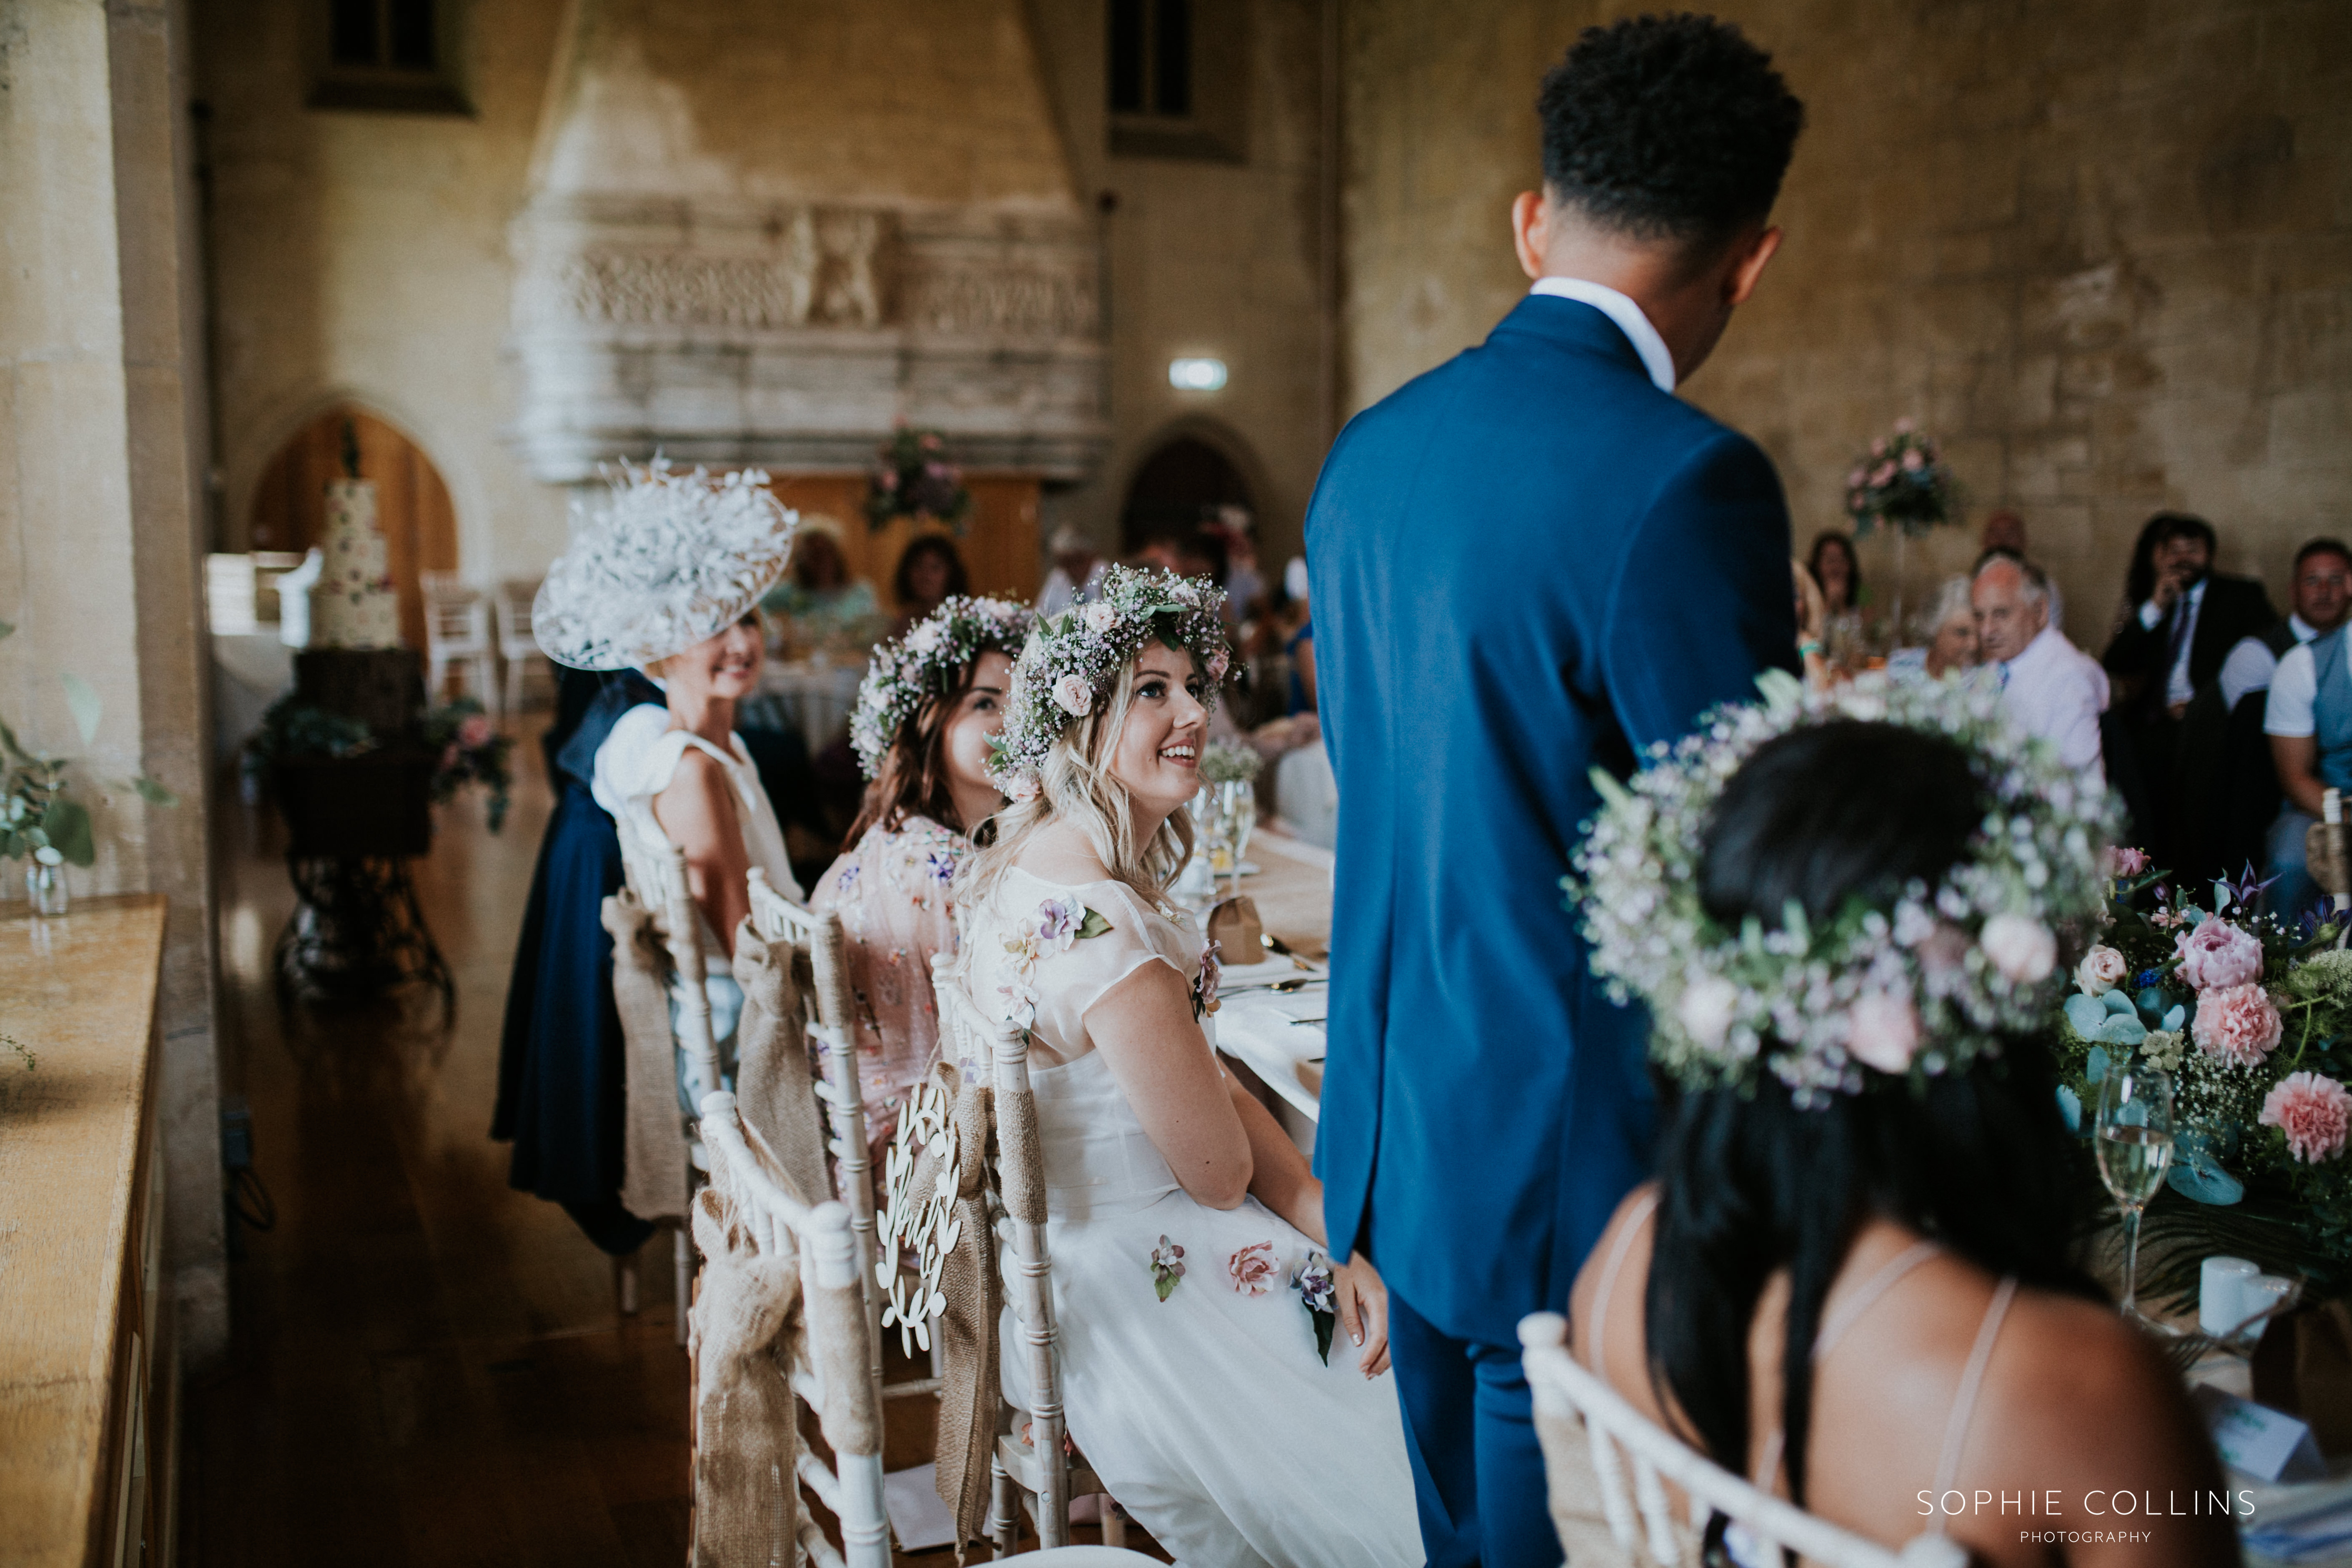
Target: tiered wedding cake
[(353, 606)]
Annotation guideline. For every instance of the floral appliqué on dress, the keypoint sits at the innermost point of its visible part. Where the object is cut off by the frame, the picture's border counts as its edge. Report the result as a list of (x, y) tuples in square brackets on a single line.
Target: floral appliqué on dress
[(1058, 922)]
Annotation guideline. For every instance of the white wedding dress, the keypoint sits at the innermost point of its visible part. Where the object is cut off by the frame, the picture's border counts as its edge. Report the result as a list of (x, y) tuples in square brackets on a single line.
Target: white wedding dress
[(1207, 1415)]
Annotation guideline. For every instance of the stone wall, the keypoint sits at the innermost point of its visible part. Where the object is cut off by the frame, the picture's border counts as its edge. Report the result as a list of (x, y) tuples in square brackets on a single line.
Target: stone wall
[(102, 423), (2105, 250)]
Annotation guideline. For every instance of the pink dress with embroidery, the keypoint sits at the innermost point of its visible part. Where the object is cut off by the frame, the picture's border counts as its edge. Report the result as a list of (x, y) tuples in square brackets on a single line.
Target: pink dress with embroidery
[(1208, 1414), (891, 892)]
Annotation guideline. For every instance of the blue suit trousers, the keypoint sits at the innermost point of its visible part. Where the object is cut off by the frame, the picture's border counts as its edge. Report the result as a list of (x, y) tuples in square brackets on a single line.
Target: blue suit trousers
[(1469, 1428)]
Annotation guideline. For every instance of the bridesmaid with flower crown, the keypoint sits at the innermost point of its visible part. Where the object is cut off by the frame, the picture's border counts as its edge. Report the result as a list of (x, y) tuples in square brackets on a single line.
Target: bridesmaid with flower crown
[(931, 705)]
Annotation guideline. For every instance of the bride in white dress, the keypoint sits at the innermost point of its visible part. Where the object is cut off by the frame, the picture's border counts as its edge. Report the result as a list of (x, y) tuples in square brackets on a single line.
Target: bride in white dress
[(1186, 1229)]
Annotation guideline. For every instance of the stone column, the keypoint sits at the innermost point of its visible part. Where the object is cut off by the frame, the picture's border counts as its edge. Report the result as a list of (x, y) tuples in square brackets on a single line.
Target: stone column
[(102, 534)]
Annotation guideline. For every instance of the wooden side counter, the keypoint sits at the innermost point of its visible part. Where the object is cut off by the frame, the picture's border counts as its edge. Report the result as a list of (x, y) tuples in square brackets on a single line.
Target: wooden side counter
[(86, 1366)]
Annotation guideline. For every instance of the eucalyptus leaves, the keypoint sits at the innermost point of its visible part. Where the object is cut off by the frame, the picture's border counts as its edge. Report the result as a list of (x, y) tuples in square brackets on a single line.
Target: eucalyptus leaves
[(39, 819)]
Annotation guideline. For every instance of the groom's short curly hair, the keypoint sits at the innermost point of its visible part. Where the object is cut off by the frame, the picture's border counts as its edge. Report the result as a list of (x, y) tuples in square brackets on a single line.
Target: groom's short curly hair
[(1668, 128)]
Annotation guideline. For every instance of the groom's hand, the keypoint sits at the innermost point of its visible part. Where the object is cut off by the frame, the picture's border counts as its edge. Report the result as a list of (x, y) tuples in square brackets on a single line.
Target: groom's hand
[(1364, 1310)]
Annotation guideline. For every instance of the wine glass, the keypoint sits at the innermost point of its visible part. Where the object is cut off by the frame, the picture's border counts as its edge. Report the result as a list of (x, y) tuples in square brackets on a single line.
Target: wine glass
[(2135, 1147), (1236, 816)]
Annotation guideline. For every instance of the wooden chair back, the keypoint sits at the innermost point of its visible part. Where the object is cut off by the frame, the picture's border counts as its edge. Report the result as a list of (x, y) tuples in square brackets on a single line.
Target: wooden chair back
[(654, 871), (840, 1333), (1590, 1435), (816, 939)]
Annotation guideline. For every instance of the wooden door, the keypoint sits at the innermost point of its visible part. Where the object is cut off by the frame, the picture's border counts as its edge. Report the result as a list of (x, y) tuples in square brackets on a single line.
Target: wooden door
[(411, 504)]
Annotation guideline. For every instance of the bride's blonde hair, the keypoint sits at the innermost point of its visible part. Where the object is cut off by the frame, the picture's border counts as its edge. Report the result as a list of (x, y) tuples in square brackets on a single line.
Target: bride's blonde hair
[(1076, 785)]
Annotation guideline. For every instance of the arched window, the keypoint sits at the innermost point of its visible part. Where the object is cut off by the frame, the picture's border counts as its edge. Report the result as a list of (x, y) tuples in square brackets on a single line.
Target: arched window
[(1178, 487)]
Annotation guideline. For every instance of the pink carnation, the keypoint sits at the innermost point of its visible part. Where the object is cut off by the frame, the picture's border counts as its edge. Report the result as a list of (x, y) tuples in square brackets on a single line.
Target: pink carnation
[(2217, 955), (1251, 1267), (2237, 1024), (2130, 862), (2312, 1111), (1884, 1031)]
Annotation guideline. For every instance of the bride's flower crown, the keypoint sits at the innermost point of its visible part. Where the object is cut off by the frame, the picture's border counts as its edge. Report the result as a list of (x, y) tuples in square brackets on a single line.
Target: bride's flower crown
[(1925, 986), (1073, 660), (926, 663)]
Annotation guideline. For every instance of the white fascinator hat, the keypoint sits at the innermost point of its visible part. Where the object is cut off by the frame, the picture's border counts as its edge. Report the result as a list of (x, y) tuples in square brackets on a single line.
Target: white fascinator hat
[(667, 561)]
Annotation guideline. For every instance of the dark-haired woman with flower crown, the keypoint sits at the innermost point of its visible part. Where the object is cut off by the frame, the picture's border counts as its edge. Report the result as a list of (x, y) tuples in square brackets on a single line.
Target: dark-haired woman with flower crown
[(1217, 1369), (930, 704), (1854, 1280)]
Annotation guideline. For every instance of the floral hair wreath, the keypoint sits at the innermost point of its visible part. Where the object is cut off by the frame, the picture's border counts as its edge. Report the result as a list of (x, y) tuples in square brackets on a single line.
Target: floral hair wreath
[(925, 663), (1926, 987), (1073, 660)]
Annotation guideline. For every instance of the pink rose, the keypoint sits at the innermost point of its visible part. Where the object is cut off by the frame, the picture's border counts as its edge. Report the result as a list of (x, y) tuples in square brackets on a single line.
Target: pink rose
[(2023, 950), (2102, 970), (2312, 1111), (1251, 1267), (1883, 1031), (2130, 862), (1098, 618), (1881, 474), (1218, 664), (1074, 695), (1913, 461), (475, 732), (2217, 955), (2237, 1024), (1024, 786)]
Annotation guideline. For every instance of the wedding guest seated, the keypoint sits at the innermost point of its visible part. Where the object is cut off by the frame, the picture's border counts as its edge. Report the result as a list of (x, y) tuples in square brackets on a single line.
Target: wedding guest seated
[(2050, 688), (1812, 618), (668, 582), (2227, 784), (1951, 646), (930, 571), (820, 607), (1838, 572), (1298, 643), (1853, 1280), (2005, 529), (1077, 573), (1184, 1227), (2167, 647), (930, 703), (2308, 718)]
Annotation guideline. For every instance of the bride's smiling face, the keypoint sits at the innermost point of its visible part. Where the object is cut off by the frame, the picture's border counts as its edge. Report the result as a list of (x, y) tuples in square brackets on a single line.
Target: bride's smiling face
[(1157, 757)]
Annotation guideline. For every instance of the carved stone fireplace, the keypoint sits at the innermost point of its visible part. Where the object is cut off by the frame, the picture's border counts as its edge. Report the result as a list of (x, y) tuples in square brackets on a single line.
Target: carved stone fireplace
[(761, 233)]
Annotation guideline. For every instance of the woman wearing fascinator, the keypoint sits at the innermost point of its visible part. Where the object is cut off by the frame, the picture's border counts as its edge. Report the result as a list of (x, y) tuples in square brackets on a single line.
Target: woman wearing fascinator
[(931, 705), (1218, 1368), (1853, 1280), (667, 581)]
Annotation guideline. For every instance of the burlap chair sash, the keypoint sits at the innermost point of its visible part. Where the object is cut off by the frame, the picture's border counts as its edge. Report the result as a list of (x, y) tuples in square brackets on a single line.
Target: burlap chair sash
[(773, 1089), (747, 1330), (653, 1153)]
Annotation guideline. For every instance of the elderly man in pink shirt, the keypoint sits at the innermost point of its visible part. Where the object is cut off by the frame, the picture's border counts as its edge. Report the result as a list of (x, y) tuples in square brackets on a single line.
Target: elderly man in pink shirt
[(2048, 687)]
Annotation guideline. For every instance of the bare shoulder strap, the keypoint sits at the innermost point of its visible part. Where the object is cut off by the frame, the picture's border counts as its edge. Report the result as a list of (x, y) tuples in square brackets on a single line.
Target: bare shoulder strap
[(1643, 1209), (1964, 1404)]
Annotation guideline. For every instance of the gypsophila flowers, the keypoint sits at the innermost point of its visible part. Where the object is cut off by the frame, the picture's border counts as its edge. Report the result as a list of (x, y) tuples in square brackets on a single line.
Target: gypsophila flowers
[(1921, 986)]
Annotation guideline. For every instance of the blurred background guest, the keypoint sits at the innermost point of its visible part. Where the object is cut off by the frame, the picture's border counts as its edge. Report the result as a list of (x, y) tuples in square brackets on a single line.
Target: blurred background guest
[(1812, 623), (1299, 642), (1951, 646), (1234, 529), (2005, 529), (2050, 687), (1837, 572), (1078, 571), (2171, 645), (819, 606), (2308, 718), (930, 572)]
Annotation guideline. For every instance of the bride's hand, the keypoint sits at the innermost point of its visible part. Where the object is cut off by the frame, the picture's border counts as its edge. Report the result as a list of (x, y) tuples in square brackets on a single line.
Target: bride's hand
[(1363, 1311)]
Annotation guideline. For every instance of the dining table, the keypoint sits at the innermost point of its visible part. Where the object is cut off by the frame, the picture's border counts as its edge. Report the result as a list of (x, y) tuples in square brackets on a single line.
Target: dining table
[(1270, 1011)]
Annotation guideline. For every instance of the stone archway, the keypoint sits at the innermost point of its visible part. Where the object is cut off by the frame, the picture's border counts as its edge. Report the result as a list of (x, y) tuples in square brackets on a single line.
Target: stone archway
[(1180, 484), (413, 506)]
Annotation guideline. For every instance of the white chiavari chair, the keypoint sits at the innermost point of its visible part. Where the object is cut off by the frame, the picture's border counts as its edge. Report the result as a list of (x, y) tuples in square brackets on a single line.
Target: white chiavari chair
[(458, 636), (1591, 1438), (654, 875), (1029, 1459), (518, 648), (830, 1373)]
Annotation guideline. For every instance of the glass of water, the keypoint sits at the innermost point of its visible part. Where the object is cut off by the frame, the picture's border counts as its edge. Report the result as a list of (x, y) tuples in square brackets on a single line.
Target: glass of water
[(2135, 1147)]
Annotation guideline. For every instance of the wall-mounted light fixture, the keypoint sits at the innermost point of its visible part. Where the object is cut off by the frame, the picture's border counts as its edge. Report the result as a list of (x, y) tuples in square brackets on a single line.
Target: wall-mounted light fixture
[(1196, 374)]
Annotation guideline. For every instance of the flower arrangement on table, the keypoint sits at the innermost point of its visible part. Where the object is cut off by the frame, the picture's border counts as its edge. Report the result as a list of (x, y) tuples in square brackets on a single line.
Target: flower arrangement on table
[(1902, 483), (465, 744), (912, 477), (472, 752), (2253, 1020), (39, 819), (1222, 761)]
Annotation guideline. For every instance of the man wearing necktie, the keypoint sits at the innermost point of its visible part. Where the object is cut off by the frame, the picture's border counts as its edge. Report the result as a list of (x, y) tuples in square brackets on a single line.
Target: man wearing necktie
[(2170, 647)]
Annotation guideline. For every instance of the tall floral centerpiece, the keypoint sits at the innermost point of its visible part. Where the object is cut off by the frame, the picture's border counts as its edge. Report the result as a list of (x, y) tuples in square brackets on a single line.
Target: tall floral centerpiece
[(2252, 1017), (912, 477), (1904, 485)]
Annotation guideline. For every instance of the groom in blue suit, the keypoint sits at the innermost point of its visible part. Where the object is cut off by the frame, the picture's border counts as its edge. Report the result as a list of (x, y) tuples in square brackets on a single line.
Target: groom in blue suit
[(1532, 560)]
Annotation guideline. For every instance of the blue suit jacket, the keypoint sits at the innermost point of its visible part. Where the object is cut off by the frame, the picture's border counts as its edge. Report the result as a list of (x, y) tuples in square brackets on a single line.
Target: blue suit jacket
[(1526, 562)]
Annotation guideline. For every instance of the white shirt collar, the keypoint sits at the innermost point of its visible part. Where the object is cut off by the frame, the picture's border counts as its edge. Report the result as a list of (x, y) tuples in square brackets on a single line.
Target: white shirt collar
[(1620, 309), (2304, 630)]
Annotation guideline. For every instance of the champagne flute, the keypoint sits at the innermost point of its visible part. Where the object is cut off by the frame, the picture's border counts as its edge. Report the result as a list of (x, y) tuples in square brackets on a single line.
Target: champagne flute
[(2135, 1147)]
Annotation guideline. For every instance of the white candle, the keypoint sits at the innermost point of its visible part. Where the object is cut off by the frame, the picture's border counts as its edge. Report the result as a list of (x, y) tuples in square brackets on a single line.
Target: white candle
[(2222, 1294)]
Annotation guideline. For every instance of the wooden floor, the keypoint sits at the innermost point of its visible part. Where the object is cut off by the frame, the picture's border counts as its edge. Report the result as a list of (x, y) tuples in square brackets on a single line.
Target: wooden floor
[(427, 1367)]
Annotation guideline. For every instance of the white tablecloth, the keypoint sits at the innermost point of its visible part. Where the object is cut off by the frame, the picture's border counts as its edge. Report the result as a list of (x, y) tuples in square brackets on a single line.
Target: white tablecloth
[(815, 700)]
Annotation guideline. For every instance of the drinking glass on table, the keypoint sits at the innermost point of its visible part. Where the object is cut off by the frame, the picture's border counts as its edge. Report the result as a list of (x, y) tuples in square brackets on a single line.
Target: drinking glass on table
[(2135, 1147)]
